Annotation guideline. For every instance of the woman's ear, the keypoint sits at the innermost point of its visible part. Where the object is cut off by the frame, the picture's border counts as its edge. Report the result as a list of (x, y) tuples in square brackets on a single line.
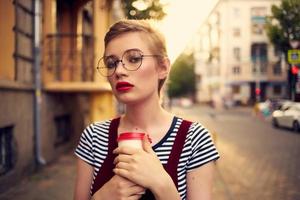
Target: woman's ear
[(164, 68)]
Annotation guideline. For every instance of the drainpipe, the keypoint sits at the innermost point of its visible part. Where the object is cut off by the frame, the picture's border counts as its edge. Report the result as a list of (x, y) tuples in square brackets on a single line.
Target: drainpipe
[(37, 85)]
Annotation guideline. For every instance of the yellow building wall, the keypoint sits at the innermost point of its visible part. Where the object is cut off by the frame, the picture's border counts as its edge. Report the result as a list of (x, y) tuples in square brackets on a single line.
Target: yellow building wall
[(102, 106), (101, 25), (49, 27), (7, 21)]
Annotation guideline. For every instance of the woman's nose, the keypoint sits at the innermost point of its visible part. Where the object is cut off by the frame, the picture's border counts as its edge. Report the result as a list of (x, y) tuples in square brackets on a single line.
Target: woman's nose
[(120, 69)]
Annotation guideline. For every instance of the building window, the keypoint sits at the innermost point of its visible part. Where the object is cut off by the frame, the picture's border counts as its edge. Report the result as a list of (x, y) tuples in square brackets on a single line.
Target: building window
[(6, 149), (277, 89), (23, 40), (236, 70), (237, 53), (277, 68), (259, 57), (258, 20), (236, 13), (63, 129), (236, 89), (236, 32)]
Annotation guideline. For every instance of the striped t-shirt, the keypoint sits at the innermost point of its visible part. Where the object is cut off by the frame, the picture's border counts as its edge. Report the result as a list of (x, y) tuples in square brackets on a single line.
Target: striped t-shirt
[(197, 150)]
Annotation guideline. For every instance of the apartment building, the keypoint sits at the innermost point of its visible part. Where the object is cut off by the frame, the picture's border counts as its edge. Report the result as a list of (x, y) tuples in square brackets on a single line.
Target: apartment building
[(235, 60), (49, 88)]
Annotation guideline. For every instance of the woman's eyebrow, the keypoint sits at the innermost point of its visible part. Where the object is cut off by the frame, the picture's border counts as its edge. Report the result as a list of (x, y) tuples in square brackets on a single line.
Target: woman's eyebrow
[(110, 56)]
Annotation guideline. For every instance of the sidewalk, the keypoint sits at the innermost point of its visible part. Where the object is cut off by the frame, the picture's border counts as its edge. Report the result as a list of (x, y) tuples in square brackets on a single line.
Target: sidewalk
[(53, 182), (56, 181)]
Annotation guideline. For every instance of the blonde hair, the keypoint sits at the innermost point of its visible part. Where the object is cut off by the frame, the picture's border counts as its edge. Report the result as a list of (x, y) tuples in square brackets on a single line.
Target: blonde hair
[(156, 40)]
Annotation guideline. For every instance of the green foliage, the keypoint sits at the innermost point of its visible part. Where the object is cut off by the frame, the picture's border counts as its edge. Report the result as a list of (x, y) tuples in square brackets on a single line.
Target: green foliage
[(143, 9), (284, 24), (182, 80)]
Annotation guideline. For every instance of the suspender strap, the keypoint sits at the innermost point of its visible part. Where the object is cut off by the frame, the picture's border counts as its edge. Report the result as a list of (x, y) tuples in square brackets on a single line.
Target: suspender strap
[(173, 161), (105, 173), (174, 157)]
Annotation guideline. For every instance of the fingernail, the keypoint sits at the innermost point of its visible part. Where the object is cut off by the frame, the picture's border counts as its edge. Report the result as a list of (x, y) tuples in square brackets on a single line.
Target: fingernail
[(149, 139)]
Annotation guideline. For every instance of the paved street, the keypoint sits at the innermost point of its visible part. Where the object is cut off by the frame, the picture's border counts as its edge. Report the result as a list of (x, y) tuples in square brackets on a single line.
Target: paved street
[(257, 161)]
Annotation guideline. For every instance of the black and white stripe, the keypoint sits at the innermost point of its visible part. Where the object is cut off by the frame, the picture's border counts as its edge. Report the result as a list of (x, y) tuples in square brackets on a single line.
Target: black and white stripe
[(198, 148)]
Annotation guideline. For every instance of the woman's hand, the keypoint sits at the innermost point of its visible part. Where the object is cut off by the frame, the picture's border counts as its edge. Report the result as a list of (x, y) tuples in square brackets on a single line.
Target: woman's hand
[(141, 166), (119, 188)]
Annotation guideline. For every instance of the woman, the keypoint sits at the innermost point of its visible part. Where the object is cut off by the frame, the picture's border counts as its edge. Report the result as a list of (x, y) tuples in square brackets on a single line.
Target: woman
[(136, 64)]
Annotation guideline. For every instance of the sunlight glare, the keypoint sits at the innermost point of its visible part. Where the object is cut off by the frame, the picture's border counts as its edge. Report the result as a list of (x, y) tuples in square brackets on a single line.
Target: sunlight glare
[(182, 21), (140, 5)]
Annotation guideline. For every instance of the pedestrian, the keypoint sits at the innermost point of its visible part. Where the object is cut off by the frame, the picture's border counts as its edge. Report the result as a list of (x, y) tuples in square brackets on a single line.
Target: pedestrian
[(178, 164)]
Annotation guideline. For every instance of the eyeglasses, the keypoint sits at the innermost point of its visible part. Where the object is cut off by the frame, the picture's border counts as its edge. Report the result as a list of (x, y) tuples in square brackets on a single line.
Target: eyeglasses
[(131, 60)]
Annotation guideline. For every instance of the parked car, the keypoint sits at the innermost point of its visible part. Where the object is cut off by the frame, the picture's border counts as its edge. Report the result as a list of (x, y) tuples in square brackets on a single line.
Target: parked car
[(288, 115)]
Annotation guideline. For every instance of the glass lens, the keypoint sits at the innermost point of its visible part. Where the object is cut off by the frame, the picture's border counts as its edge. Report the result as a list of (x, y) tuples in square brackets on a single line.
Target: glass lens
[(132, 59), (107, 65)]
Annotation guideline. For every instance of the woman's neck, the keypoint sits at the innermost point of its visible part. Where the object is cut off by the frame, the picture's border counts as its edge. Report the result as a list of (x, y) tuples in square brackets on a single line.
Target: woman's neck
[(148, 117), (141, 115)]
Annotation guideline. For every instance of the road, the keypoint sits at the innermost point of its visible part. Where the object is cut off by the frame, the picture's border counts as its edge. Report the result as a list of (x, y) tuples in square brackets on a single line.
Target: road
[(257, 161)]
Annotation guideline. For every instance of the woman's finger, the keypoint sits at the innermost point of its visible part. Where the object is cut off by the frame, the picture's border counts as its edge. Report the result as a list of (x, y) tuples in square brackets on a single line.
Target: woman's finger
[(122, 158), (135, 197), (125, 150), (136, 189), (146, 144), (123, 165), (123, 172)]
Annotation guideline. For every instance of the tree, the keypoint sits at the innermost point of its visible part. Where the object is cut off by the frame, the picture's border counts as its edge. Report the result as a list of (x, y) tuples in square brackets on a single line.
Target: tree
[(182, 80), (284, 24), (143, 9)]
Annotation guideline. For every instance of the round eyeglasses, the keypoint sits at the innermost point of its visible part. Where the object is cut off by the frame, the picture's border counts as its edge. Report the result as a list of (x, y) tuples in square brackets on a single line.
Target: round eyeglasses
[(131, 60)]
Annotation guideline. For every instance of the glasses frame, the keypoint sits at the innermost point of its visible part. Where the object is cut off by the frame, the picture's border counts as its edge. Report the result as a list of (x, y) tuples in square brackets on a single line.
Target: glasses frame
[(121, 61)]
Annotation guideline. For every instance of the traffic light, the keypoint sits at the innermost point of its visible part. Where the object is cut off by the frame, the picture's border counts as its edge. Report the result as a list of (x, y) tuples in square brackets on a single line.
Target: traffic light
[(294, 70), (257, 91)]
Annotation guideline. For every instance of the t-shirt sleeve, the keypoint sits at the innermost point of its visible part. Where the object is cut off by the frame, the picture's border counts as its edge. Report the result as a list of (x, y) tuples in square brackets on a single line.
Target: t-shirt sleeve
[(203, 149), (84, 149)]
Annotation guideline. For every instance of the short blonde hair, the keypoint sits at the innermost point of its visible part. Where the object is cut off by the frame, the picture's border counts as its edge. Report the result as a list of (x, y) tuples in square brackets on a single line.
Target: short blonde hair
[(156, 40)]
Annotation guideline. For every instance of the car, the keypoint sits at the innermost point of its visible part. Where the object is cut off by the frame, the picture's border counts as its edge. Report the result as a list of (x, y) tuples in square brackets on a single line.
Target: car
[(288, 115)]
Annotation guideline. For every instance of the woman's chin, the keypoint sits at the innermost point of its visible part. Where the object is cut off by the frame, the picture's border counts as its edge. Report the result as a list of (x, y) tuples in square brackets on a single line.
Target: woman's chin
[(129, 101)]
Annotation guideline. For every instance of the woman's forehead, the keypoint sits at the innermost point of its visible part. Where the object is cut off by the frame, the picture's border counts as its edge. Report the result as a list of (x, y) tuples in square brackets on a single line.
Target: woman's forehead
[(125, 41)]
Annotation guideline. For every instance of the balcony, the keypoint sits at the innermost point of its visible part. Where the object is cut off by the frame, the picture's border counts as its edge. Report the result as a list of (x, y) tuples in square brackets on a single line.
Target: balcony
[(69, 63)]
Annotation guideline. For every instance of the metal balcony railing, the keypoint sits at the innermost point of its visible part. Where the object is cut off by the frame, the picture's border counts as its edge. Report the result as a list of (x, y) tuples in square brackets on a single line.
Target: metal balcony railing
[(70, 57)]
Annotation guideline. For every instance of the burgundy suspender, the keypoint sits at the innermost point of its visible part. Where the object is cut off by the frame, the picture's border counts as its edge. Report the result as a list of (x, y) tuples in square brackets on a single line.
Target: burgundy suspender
[(173, 161), (174, 157), (105, 173)]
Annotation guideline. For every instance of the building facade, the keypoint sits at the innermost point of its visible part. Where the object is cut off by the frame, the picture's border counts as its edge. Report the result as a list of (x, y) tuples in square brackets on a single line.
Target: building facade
[(49, 88), (235, 60)]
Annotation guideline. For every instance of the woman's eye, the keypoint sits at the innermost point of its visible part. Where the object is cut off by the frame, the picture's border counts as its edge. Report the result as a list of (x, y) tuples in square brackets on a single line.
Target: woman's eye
[(134, 59), (111, 64)]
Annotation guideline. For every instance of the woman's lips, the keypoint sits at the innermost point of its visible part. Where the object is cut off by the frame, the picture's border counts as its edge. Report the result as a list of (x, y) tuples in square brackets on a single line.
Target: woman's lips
[(123, 86)]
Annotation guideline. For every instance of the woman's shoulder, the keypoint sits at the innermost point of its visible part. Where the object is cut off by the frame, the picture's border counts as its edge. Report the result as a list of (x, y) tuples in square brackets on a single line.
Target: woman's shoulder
[(193, 124), (98, 127), (195, 128)]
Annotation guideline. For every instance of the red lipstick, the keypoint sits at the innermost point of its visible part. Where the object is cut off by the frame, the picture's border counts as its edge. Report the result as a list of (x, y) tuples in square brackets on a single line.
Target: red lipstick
[(123, 86)]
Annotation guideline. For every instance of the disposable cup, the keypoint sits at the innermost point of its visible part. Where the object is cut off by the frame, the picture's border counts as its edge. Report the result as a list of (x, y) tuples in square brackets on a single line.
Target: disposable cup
[(131, 139)]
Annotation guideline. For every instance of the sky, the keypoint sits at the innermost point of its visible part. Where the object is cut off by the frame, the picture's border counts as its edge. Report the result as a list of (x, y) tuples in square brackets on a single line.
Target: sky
[(183, 19)]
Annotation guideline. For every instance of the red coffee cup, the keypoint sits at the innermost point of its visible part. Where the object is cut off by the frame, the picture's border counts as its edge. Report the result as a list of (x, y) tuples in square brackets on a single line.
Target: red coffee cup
[(132, 139)]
